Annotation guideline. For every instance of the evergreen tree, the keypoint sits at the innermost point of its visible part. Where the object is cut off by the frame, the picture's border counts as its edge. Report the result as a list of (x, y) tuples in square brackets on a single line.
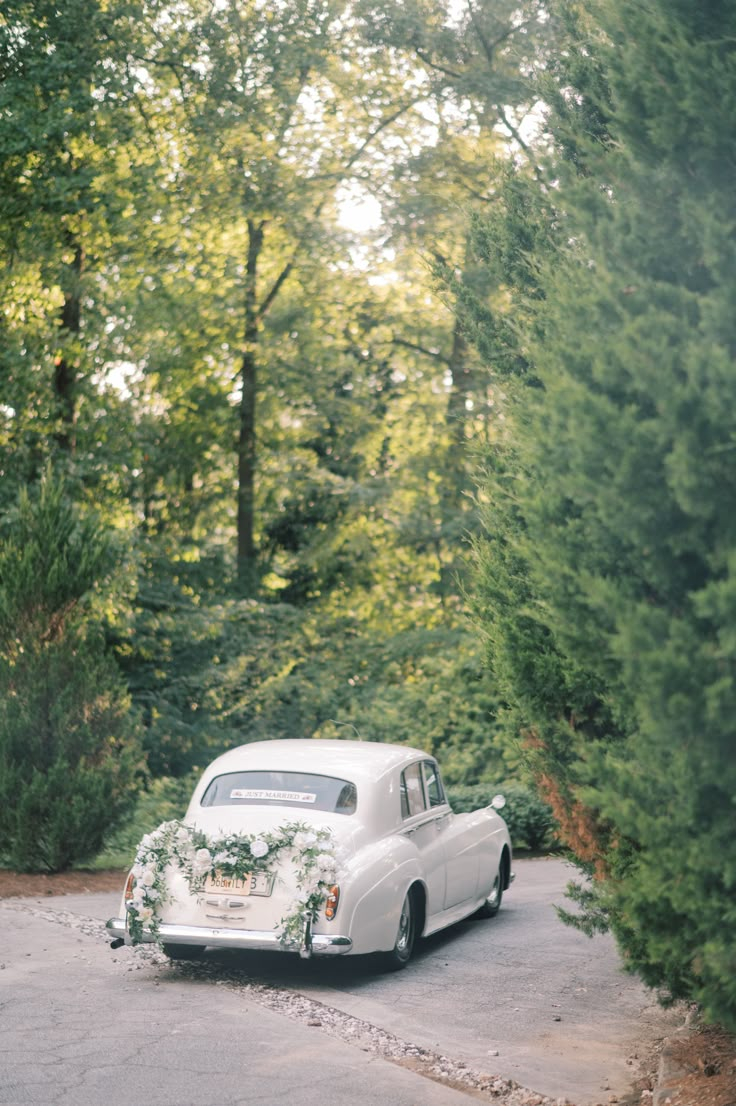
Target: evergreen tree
[(68, 750), (608, 583)]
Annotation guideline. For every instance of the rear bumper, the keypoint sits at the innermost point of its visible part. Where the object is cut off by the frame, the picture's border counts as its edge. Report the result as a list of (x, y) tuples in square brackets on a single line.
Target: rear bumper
[(317, 944)]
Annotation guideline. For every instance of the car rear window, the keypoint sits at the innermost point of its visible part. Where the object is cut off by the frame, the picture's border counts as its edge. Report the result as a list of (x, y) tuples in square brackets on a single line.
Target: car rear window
[(292, 789)]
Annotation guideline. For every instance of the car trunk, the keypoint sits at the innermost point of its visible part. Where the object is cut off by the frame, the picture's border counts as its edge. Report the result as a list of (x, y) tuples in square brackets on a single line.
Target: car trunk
[(263, 904)]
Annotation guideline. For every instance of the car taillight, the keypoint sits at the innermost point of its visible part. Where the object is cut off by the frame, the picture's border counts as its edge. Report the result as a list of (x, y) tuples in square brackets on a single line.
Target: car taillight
[(128, 893), (333, 898)]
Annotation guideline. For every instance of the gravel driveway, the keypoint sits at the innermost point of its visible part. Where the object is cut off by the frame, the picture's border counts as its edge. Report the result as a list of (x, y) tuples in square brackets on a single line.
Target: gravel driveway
[(518, 1010)]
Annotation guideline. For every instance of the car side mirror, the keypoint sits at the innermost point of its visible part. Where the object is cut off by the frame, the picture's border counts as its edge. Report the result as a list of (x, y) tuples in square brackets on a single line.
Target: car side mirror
[(498, 802)]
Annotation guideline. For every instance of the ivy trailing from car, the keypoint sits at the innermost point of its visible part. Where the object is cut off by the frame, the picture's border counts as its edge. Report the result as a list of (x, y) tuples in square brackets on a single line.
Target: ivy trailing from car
[(237, 856)]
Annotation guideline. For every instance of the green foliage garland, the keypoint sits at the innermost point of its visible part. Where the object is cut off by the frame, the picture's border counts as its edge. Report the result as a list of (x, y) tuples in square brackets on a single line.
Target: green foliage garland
[(175, 845)]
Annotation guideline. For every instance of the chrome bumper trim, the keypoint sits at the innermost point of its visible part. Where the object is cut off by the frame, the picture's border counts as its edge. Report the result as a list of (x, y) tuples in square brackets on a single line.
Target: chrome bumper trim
[(321, 944)]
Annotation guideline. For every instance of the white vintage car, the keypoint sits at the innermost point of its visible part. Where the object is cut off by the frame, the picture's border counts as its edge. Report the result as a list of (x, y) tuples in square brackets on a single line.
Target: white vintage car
[(321, 847)]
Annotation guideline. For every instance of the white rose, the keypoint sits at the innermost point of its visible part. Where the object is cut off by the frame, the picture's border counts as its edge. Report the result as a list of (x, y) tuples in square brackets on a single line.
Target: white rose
[(258, 847), (202, 861), (148, 878), (224, 858), (145, 914)]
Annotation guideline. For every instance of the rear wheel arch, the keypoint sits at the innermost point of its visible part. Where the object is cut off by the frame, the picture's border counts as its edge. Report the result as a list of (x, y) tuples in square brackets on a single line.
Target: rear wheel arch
[(410, 928), (418, 893), (501, 882), (505, 868)]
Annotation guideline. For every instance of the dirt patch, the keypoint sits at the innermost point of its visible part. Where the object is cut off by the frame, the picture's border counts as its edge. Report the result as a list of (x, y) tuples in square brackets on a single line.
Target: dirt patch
[(705, 1061), (14, 885)]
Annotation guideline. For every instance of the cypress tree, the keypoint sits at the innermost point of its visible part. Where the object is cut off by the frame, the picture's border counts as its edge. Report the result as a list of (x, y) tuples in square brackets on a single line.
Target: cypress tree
[(607, 583)]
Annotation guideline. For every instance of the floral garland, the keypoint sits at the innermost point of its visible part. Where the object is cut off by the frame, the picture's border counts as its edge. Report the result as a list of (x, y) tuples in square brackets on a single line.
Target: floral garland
[(236, 856)]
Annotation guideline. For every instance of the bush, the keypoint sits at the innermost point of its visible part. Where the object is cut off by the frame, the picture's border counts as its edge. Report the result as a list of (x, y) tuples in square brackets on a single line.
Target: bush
[(69, 754), (163, 800), (528, 817), (67, 764)]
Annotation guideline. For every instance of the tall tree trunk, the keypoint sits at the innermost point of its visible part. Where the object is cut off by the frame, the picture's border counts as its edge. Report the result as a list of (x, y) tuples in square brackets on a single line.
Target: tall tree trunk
[(247, 567), (464, 396), (457, 499), (66, 362), (461, 374)]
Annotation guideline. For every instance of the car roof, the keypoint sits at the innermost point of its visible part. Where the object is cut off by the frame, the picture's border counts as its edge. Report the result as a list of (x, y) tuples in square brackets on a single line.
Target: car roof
[(352, 760)]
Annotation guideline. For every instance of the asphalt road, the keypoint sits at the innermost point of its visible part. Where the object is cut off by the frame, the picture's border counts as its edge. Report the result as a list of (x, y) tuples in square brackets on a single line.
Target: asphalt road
[(519, 996)]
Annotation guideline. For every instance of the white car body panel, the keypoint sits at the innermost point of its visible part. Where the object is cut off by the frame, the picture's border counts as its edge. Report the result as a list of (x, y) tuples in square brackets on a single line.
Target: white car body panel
[(453, 858)]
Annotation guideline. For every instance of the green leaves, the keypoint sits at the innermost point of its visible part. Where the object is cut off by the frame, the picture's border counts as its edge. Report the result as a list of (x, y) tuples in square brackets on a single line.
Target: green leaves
[(69, 755), (607, 573), (234, 379), (50, 558)]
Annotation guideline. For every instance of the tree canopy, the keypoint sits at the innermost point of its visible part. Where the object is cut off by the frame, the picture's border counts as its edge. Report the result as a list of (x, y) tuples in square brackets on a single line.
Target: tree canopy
[(276, 414)]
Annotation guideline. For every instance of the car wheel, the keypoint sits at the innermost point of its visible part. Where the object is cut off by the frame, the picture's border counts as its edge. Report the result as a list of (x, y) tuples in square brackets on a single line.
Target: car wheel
[(492, 905), (183, 952), (400, 954)]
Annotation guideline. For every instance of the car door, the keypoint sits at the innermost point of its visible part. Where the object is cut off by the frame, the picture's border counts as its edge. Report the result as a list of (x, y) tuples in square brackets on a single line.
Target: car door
[(459, 842), (422, 827)]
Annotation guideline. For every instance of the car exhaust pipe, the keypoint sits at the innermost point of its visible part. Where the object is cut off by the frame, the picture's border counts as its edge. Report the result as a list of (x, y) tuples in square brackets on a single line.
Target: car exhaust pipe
[(306, 950), (117, 943)]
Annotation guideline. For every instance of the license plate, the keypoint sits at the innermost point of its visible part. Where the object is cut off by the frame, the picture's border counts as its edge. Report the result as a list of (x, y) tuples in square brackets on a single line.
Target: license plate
[(256, 883)]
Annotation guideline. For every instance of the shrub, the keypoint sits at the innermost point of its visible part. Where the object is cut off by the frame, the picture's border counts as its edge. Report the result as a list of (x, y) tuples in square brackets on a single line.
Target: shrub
[(528, 817), (163, 800), (69, 754)]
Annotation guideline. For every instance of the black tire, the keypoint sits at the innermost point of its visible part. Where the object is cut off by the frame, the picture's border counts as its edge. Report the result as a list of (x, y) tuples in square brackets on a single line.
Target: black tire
[(183, 952), (492, 905), (400, 954)]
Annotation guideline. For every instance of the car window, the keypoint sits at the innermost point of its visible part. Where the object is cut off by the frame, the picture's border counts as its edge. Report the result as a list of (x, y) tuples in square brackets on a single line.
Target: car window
[(433, 783), (412, 791), (291, 789)]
